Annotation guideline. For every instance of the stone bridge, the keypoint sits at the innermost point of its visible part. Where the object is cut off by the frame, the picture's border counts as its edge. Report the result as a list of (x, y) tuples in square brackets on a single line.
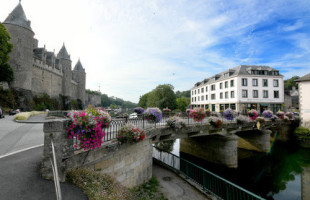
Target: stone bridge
[(131, 164)]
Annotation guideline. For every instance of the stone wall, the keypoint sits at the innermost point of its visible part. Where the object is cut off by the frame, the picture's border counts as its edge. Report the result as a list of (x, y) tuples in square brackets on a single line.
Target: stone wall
[(92, 99), (130, 164)]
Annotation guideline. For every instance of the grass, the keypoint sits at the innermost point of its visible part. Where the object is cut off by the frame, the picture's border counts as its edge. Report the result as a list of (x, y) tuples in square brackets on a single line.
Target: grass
[(26, 115), (97, 186)]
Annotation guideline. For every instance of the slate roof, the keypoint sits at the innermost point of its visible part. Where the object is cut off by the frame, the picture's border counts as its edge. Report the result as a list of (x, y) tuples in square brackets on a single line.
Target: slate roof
[(79, 66), (304, 78), (236, 71), (63, 53), (18, 17)]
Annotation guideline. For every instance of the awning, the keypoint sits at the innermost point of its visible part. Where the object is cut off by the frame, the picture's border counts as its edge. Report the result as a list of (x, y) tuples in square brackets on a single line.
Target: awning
[(264, 104)]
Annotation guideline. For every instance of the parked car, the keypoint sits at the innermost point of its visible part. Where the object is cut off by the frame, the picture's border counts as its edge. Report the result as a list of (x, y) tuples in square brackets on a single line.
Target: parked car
[(14, 112), (1, 113)]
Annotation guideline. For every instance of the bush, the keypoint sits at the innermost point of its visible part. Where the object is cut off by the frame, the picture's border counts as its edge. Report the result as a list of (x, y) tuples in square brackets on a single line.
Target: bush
[(129, 133), (176, 122), (198, 114), (302, 133), (153, 115)]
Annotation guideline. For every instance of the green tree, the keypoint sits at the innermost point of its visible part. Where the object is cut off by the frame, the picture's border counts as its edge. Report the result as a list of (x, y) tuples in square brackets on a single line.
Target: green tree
[(143, 100), (113, 106), (6, 72), (162, 96), (186, 93), (289, 83), (182, 103)]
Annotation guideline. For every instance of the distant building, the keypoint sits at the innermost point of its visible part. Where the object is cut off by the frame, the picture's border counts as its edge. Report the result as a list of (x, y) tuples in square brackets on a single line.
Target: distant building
[(241, 88), (291, 99), (304, 99), (39, 71)]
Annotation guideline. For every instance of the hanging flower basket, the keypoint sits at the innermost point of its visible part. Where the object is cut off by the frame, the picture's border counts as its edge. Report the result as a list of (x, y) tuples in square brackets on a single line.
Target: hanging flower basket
[(280, 114), (153, 115), (198, 114), (139, 110), (252, 114), (242, 120), (215, 122), (290, 115), (176, 122), (228, 114), (129, 133), (267, 114)]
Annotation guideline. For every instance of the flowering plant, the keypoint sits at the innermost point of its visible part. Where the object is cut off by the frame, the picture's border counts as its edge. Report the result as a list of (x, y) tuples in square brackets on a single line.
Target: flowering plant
[(215, 122), (274, 118), (87, 126), (242, 119), (290, 115), (286, 119), (153, 115), (176, 122), (139, 110), (252, 114), (188, 110), (280, 114), (198, 114), (228, 114), (260, 119), (129, 133), (267, 114), (166, 110)]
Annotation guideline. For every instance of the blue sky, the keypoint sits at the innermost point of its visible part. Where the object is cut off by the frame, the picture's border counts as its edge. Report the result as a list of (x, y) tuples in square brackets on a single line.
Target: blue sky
[(129, 47)]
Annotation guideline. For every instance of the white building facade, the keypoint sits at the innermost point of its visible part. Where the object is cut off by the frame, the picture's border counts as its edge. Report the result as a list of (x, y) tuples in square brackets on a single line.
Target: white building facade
[(241, 88), (304, 99)]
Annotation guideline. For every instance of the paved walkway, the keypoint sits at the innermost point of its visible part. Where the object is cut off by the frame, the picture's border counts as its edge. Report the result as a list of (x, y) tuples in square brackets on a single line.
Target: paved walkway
[(20, 179), (175, 188)]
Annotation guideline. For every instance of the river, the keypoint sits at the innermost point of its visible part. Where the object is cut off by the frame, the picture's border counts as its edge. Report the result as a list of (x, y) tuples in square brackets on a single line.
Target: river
[(281, 174)]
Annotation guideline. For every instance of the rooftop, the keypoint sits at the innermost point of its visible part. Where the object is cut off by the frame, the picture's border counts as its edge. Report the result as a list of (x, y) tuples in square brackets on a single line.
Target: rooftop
[(304, 78), (18, 17)]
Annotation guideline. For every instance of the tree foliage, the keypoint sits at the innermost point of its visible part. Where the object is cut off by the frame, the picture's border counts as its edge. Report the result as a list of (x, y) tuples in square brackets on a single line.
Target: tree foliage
[(162, 96), (289, 83), (186, 93), (6, 72), (182, 103), (143, 100)]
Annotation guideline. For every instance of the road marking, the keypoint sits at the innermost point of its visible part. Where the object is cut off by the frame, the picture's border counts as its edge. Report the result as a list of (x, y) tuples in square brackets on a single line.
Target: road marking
[(19, 151)]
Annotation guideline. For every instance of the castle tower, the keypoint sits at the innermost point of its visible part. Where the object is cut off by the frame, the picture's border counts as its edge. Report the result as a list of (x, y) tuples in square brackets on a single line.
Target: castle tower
[(22, 37), (80, 75), (65, 61)]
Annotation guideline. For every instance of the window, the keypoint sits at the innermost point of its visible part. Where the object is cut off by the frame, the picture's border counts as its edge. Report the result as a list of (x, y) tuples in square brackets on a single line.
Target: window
[(244, 93), (232, 94), (226, 84), (192, 92), (212, 96), (276, 83), (201, 90), (198, 91), (202, 98), (255, 93), (207, 89), (195, 99), (265, 82), (221, 95), (195, 91), (276, 94), (221, 85), (233, 106), (244, 82), (198, 98), (226, 95), (231, 83), (265, 93), (212, 87), (192, 99), (255, 82), (206, 97)]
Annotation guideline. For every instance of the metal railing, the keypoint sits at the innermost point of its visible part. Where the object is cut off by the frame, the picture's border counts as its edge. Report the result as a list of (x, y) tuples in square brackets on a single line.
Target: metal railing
[(209, 181)]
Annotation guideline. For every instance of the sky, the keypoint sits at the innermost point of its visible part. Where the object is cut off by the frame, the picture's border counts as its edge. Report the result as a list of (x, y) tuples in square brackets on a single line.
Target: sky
[(128, 47)]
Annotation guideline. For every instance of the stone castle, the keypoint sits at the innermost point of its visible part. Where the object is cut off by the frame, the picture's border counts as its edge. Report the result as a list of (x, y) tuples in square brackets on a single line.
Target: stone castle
[(37, 70)]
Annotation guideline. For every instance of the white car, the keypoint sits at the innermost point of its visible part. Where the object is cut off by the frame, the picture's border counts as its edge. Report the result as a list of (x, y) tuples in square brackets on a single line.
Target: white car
[(133, 115)]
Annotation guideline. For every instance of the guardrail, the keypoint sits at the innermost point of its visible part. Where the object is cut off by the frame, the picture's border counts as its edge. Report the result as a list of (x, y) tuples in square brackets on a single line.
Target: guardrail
[(209, 181)]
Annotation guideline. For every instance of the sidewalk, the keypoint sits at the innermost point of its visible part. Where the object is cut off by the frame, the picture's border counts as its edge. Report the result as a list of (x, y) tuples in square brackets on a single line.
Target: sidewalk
[(175, 188), (20, 179), (34, 119)]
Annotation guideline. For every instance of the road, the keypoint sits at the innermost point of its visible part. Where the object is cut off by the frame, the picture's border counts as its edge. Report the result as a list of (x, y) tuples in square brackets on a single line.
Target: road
[(17, 136)]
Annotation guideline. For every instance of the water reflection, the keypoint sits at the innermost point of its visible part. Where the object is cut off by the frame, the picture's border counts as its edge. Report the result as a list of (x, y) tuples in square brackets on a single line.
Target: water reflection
[(282, 174)]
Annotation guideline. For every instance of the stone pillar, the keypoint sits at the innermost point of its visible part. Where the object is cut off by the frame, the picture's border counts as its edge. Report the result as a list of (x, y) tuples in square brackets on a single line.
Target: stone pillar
[(214, 148), (259, 139), (56, 130)]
